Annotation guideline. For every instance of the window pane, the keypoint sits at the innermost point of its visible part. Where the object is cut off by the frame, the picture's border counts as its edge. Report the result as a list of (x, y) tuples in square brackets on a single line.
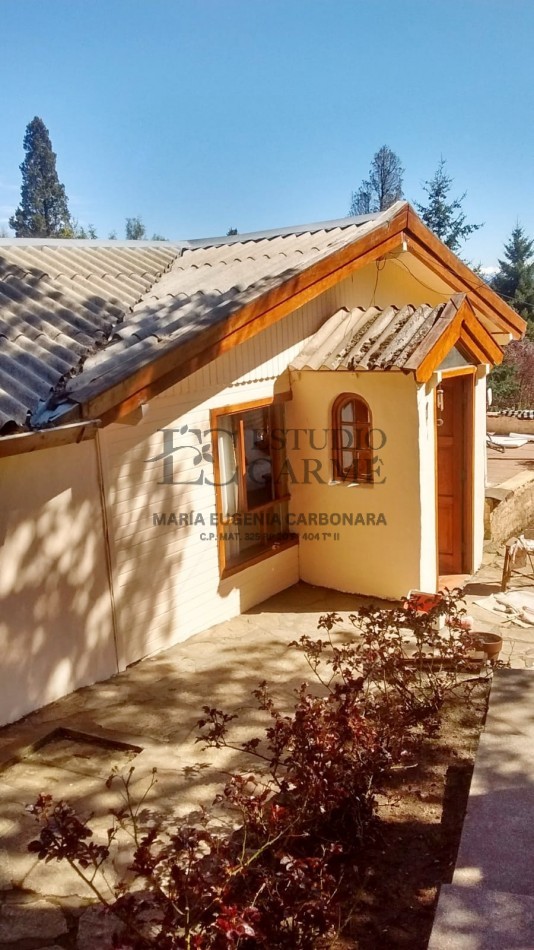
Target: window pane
[(347, 437), (259, 484), (226, 443), (347, 412), (362, 412), (347, 460)]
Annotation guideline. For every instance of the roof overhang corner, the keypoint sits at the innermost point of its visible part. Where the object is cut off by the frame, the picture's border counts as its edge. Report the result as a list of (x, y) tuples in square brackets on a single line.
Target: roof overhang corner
[(457, 325)]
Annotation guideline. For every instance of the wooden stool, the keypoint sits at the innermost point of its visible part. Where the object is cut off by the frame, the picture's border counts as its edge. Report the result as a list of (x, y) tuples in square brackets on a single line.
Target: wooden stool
[(512, 548)]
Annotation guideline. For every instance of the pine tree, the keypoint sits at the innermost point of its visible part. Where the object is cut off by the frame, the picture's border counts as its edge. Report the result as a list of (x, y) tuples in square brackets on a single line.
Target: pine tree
[(43, 209), (515, 278), (383, 187), (443, 216)]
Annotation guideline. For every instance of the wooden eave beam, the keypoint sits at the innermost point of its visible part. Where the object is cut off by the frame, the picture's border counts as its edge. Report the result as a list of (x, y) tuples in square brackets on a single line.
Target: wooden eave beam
[(431, 251), (22, 442), (162, 370), (482, 337), (470, 345)]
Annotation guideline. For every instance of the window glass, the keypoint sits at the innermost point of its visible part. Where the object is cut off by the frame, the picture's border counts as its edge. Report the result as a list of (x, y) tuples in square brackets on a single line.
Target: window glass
[(352, 453), (252, 495)]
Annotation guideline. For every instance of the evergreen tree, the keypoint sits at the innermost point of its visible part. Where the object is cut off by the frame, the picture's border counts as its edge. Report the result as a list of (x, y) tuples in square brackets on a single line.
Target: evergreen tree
[(43, 209), (444, 216), (383, 187), (515, 278)]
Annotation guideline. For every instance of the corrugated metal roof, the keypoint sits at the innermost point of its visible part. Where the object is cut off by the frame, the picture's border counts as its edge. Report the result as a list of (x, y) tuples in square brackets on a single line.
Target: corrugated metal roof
[(204, 286), (74, 314), (58, 305), (372, 339)]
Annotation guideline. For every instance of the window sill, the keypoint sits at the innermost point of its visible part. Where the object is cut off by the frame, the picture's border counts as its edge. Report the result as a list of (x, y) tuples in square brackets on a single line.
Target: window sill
[(255, 555)]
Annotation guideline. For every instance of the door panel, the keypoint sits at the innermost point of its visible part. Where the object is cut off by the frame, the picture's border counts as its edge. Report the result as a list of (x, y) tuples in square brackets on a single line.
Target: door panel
[(452, 458)]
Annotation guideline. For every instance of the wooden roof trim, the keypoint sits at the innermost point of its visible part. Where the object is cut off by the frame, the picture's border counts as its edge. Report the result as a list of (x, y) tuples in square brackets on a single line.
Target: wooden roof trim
[(445, 263), (470, 346), (457, 324), (160, 369), (439, 341)]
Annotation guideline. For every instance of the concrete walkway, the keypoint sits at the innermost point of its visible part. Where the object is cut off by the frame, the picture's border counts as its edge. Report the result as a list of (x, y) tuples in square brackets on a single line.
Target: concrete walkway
[(146, 717), (490, 903)]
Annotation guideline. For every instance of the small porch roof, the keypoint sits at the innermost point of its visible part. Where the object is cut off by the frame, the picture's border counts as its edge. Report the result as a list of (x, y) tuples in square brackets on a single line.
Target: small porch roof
[(409, 339)]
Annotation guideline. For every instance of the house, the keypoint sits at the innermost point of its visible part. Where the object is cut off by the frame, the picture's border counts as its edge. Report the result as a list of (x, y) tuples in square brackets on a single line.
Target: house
[(188, 428)]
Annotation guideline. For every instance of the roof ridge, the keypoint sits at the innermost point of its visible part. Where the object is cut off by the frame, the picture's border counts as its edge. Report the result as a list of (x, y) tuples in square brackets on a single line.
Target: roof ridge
[(311, 227), (183, 244)]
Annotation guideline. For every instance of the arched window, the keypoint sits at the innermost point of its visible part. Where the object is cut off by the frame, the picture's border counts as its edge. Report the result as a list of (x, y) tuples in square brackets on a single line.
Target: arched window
[(352, 455)]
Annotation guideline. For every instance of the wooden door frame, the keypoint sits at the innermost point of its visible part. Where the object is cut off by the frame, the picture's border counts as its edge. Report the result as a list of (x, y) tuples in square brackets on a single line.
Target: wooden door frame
[(468, 375)]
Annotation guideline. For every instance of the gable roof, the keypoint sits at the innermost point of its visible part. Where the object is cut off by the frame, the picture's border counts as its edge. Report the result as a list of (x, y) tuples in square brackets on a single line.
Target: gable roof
[(411, 339), (138, 317)]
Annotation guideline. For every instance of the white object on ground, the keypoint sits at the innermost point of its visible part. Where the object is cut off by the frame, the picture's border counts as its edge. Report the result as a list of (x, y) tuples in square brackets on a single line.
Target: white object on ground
[(508, 441), (506, 612)]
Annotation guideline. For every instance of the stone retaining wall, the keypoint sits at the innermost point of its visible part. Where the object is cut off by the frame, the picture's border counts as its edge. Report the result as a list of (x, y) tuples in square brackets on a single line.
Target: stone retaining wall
[(509, 507)]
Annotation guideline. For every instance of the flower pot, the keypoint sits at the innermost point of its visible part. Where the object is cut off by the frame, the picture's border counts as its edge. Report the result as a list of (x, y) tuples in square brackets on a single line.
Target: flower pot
[(489, 643)]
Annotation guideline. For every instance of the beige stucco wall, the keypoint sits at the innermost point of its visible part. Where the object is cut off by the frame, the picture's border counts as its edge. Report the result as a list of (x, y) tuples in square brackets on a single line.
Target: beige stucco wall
[(56, 630), (381, 559)]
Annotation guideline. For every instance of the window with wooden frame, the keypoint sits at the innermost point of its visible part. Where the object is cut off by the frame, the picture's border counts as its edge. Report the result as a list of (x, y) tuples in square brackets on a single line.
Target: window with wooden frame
[(251, 484), (352, 452)]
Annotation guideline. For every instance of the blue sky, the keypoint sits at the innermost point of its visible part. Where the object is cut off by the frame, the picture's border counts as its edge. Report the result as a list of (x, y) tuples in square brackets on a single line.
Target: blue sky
[(199, 115)]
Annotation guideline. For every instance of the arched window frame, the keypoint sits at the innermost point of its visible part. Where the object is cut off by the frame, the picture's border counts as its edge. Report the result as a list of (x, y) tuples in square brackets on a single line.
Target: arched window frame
[(352, 452)]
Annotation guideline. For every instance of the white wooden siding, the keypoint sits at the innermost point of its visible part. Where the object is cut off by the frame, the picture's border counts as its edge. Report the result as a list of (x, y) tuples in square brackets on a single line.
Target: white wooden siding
[(56, 625)]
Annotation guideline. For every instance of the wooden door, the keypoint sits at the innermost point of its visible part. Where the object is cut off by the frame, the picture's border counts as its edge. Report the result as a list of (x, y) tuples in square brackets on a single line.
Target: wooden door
[(455, 460)]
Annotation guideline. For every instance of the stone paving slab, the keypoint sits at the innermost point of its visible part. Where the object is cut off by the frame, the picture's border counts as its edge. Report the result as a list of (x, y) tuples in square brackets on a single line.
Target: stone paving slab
[(26, 920), (479, 919)]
